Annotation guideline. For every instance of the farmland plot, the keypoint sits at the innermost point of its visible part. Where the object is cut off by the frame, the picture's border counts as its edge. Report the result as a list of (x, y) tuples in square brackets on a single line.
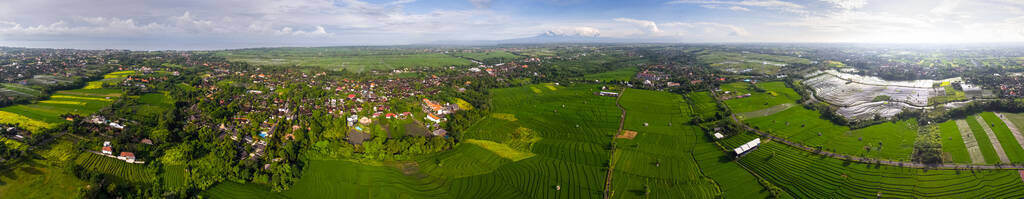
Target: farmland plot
[(806, 175), (114, 167), (862, 97)]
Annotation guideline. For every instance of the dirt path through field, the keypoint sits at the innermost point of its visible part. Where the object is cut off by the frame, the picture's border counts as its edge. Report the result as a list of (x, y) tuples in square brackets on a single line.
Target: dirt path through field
[(611, 162), (1013, 129), (992, 137), (970, 142)]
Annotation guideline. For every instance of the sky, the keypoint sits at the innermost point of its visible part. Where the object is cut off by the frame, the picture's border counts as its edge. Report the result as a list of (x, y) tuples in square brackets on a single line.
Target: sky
[(225, 24)]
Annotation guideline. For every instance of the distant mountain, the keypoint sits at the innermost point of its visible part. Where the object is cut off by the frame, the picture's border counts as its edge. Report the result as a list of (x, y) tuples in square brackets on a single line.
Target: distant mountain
[(545, 38)]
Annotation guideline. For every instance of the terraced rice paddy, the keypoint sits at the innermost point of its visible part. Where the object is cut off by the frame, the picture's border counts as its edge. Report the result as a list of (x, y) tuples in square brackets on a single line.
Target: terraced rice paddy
[(114, 167), (805, 175)]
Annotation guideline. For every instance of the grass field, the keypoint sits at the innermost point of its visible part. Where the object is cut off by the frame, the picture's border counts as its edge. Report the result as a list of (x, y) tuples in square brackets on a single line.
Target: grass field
[(114, 167), (622, 74), (1013, 150), (775, 93), (984, 143), (890, 140), (338, 58), (953, 143), (805, 175)]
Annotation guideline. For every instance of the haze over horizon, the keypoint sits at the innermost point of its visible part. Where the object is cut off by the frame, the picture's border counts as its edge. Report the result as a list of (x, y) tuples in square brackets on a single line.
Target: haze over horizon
[(197, 24)]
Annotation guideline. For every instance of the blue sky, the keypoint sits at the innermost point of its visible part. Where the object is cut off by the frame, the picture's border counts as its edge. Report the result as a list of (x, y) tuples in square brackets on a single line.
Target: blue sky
[(219, 24)]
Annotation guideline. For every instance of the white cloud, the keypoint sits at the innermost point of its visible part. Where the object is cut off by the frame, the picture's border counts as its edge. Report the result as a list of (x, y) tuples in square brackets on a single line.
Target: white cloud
[(648, 26), (707, 28), (737, 8), (775, 4), (945, 7), (582, 31), (847, 4)]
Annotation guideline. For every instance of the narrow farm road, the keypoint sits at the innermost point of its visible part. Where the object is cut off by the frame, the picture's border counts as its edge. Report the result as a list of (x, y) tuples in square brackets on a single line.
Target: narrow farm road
[(1013, 129), (863, 159), (611, 160), (972, 144)]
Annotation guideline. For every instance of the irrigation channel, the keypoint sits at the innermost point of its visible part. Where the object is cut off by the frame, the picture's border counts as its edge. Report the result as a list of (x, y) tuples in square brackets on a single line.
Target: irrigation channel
[(858, 158)]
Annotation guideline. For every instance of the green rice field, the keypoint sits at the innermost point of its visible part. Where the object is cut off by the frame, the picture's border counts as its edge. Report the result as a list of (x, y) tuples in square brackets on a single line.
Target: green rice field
[(338, 58), (46, 113), (953, 143), (805, 175), (775, 93), (114, 167), (622, 74)]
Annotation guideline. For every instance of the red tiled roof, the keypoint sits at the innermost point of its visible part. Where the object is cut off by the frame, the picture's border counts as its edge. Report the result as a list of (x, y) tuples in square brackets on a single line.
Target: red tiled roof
[(107, 148), (128, 154)]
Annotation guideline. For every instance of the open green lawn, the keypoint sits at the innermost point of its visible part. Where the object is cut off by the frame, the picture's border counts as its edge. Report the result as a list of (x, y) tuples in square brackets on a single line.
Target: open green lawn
[(890, 140), (775, 93), (987, 149), (1013, 150), (953, 143), (338, 58), (805, 175), (622, 74)]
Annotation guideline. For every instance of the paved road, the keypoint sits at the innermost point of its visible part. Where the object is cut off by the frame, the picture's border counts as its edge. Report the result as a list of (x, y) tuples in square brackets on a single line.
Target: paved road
[(863, 159)]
